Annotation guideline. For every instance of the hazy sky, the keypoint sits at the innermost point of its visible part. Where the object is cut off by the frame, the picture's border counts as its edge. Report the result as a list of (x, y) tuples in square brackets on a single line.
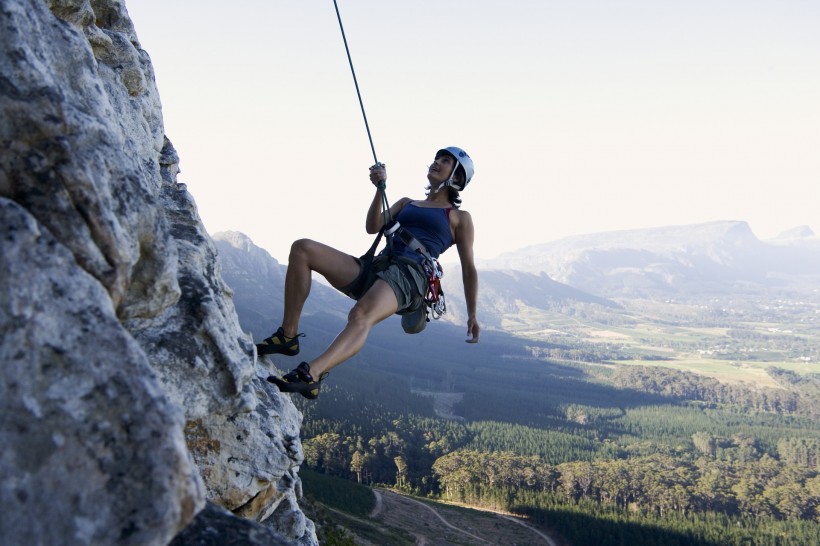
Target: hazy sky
[(581, 115)]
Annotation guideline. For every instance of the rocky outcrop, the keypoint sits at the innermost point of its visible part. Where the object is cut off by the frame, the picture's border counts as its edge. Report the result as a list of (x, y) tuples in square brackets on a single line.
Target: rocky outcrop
[(215, 526), (129, 393)]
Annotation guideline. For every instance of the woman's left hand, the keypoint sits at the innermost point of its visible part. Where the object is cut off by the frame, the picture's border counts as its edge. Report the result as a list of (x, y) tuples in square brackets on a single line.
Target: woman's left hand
[(378, 173), (473, 330)]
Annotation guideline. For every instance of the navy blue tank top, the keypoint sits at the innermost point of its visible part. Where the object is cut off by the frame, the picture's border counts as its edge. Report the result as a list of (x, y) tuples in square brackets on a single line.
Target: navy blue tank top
[(431, 226)]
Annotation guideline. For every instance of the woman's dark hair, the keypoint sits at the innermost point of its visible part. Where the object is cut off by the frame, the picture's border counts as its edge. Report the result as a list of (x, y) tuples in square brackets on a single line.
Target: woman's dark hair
[(452, 195)]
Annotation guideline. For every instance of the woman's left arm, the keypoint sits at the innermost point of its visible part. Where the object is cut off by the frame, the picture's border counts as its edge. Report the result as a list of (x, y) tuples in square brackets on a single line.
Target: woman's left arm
[(465, 235)]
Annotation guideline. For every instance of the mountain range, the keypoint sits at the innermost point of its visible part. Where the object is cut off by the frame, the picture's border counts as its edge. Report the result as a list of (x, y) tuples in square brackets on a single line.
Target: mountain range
[(604, 270), (690, 261)]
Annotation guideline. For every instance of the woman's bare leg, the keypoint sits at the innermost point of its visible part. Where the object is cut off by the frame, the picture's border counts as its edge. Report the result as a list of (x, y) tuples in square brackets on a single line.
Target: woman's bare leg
[(306, 256), (376, 305)]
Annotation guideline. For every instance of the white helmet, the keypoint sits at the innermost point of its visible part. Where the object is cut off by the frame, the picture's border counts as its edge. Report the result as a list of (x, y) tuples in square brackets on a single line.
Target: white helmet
[(462, 160)]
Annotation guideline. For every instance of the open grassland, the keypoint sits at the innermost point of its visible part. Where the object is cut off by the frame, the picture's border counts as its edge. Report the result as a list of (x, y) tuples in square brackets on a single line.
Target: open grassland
[(724, 371), (738, 350)]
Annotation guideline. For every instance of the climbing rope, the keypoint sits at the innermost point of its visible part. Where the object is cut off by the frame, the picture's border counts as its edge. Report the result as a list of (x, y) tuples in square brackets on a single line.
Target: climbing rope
[(382, 184), (355, 82), (434, 298)]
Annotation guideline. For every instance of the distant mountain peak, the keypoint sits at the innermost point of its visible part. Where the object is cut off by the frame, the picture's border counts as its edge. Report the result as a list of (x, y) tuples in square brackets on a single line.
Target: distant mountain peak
[(799, 232), (657, 239), (236, 239)]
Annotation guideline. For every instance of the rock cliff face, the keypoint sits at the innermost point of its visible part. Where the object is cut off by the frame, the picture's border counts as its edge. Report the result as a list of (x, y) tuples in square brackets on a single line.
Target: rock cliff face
[(129, 394)]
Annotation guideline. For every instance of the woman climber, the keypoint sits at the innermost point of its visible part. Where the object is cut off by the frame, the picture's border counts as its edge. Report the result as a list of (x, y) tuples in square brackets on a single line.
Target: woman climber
[(394, 282)]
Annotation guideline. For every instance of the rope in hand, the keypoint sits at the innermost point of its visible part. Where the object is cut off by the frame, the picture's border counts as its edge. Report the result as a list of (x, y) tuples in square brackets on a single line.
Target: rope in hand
[(382, 183)]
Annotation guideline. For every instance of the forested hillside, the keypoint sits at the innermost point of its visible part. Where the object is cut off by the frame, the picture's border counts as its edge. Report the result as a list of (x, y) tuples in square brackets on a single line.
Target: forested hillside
[(573, 447)]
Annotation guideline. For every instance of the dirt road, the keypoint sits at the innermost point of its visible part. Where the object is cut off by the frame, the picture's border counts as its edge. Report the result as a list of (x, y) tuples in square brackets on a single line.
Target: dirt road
[(443, 403), (440, 525)]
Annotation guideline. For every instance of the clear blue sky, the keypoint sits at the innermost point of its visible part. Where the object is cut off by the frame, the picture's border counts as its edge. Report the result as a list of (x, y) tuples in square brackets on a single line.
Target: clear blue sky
[(581, 115)]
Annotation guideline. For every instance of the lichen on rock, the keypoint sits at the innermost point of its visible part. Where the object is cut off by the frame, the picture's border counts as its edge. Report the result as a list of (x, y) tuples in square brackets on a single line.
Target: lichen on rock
[(116, 328)]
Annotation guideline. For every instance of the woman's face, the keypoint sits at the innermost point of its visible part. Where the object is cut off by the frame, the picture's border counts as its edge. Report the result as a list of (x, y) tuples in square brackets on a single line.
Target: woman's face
[(439, 171)]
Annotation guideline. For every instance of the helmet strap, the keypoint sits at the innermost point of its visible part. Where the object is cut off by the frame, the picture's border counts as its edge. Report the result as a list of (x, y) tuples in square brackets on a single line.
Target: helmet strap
[(449, 182)]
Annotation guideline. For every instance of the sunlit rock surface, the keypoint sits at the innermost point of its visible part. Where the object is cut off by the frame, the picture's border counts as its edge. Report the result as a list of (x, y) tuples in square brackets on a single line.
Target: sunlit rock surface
[(129, 393)]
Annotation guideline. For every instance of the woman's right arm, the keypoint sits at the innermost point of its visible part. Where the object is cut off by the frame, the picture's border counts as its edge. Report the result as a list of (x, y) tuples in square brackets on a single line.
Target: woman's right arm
[(375, 216)]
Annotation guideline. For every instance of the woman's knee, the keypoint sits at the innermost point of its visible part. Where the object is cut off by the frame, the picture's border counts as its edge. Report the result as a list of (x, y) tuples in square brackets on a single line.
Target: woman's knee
[(377, 304), (358, 316), (338, 268), (301, 248)]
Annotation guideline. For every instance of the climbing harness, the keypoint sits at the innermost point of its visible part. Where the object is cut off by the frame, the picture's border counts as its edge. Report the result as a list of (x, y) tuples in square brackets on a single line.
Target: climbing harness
[(433, 272), (434, 296)]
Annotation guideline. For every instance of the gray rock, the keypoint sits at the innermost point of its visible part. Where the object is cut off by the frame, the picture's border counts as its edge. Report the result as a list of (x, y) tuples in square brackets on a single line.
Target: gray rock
[(80, 149), (123, 362), (93, 451), (204, 359), (242, 456), (215, 526)]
